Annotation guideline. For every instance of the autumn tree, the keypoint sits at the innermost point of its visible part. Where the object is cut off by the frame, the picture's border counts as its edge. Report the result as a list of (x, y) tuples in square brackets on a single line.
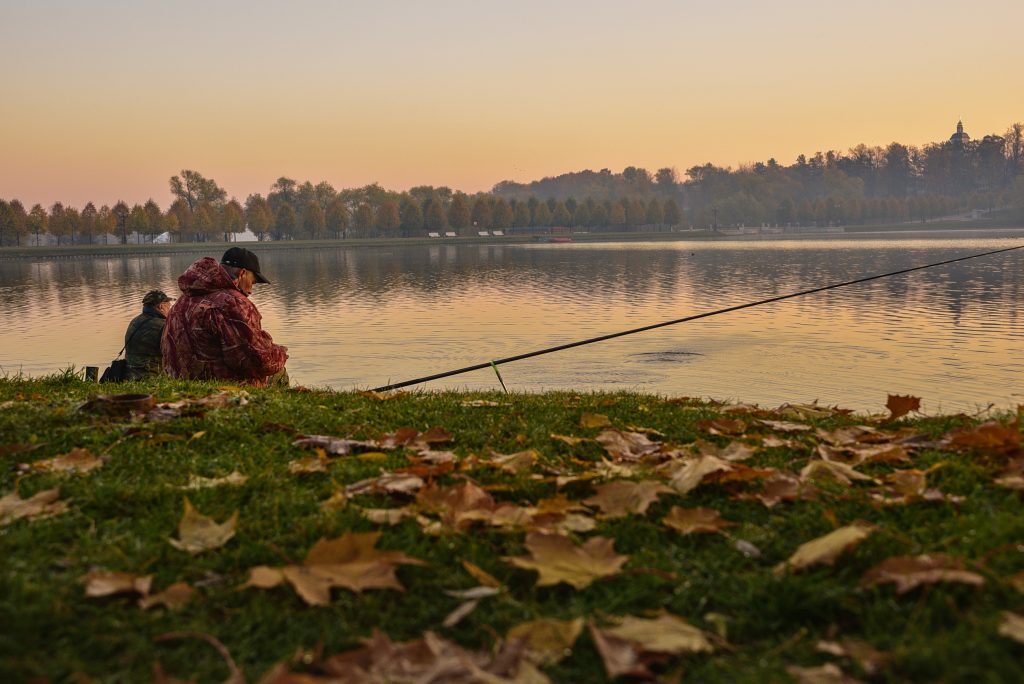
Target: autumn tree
[(387, 218), (285, 222), (673, 216), (283, 191), (501, 214), (617, 215), (37, 221), (73, 221), (560, 216), (19, 220), (522, 216), (410, 214), (6, 221), (232, 219), (258, 217), (666, 179), (481, 214), (183, 217), (138, 222), (337, 217), (313, 221), (58, 226), (364, 218), (458, 212), (581, 217), (194, 189), (88, 225), (435, 217), (655, 215)]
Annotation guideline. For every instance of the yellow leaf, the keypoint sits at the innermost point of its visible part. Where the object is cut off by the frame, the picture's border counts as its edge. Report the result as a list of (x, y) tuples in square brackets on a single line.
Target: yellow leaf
[(824, 550), (43, 505), (693, 520), (481, 575), (1012, 626), (75, 461), (557, 559), (594, 420), (621, 498), (198, 533), (548, 640), (173, 597), (106, 583)]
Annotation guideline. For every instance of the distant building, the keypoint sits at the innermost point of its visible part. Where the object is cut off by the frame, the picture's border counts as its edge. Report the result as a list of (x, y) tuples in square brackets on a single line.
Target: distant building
[(959, 139)]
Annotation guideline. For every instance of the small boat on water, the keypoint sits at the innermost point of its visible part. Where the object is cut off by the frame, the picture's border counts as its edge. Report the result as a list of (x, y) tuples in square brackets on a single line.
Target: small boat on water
[(551, 238)]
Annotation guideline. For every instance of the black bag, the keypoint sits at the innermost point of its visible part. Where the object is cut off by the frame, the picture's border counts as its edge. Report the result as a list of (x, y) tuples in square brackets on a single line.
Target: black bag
[(118, 369), (116, 372)]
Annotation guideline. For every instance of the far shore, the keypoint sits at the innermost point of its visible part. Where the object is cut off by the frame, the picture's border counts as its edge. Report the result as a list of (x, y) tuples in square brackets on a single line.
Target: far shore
[(679, 234)]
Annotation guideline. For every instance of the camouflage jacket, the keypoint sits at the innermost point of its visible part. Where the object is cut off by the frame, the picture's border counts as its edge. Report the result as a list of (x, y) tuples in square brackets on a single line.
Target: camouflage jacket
[(213, 331), (142, 344)]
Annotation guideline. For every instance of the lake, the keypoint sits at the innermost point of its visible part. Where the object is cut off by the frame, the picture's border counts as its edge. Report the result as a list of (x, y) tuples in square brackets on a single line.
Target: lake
[(359, 317)]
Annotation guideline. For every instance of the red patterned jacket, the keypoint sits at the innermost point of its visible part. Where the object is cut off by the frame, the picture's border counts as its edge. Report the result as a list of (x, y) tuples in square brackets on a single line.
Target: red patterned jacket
[(213, 331)]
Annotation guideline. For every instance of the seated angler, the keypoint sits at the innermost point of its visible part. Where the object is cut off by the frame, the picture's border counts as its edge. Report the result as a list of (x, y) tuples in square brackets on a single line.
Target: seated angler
[(142, 339), (214, 332)]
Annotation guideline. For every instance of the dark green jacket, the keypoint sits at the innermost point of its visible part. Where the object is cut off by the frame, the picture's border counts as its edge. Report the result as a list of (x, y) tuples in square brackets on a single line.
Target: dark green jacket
[(142, 348)]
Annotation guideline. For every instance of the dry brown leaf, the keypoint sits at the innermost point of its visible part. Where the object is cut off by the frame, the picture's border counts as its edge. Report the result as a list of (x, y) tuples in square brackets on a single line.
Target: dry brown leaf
[(336, 446), (173, 597), (307, 465), (695, 520), (786, 426), (594, 420), (626, 446), (106, 583), (629, 647), (991, 437), (43, 504), (570, 440), (785, 487), (910, 572), (388, 483), (1012, 626), (75, 461), (809, 411), (350, 561), (826, 471), (688, 475), (824, 674), (198, 533), (734, 451), (383, 396), (621, 498), (548, 640), (900, 405), (481, 575), (387, 516), (430, 660), (723, 426), (235, 479), (870, 659), (557, 559), (519, 462), (824, 550), (459, 506)]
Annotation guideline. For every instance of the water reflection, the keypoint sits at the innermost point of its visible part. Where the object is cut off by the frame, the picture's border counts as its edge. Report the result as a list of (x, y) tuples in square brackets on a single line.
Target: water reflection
[(366, 316)]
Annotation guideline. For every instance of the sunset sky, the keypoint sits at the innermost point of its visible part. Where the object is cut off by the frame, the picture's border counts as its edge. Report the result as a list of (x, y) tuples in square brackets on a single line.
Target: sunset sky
[(106, 99)]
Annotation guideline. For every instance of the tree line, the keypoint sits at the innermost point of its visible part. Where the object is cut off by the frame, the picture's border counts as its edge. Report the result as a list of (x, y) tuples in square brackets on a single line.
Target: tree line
[(864, 185)]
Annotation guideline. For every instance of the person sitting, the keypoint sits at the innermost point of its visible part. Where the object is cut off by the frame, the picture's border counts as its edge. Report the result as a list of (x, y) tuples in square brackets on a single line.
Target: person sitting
[(214, 331), (142, 339)]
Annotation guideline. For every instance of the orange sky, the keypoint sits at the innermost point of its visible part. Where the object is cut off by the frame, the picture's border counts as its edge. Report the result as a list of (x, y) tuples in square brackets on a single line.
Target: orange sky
[(107, 99)]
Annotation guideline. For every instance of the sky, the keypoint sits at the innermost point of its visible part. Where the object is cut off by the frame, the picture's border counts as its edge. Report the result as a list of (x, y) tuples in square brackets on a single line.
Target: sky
[(103, 100)]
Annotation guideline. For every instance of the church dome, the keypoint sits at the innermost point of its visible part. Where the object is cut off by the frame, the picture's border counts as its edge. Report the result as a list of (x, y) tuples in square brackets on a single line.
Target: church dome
[(959, 138)]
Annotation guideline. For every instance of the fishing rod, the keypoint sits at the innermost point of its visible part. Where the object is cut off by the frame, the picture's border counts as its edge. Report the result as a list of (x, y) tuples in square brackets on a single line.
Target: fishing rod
[(519, 357)]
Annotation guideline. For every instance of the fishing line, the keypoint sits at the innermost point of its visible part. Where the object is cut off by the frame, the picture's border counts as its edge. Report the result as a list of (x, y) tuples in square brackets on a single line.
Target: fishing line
[(519, 357)]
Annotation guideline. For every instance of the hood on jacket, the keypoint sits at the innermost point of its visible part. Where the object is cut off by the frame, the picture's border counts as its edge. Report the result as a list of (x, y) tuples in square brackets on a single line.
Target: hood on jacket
[(205, 275)]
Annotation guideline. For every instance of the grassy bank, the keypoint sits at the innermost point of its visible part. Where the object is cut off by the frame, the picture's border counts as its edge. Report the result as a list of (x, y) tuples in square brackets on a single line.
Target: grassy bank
[(726, 604)]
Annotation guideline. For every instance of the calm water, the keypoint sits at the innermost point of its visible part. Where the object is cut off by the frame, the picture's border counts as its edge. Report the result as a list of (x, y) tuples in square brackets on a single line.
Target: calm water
[(361, 317)]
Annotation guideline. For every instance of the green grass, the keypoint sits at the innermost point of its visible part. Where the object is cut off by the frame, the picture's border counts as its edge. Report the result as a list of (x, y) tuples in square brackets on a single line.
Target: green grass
[(122, 514)]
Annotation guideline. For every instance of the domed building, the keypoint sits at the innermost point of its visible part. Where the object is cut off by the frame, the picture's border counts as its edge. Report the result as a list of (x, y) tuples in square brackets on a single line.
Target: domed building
[(960, 139)]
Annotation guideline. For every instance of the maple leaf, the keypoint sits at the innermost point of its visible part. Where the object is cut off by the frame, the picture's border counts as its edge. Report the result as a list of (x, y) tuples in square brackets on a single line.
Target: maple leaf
[(548, 640), (824, 550), (990, 437), (350, 561), (75, 461), (900, 405), (107, 583), (459, 506), (629, 647), (626, 446), (690, 473), (1012, 626), (390, 483), (594, 420), (785, 487), (621, 498), (519, 462), (824, 471), (557, 559), (198, 533), (43, 504), (694, 520), (909, 572)]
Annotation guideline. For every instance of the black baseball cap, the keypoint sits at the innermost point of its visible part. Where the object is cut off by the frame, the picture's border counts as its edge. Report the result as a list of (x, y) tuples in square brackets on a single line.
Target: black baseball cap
[(154, 297), (240, 257)]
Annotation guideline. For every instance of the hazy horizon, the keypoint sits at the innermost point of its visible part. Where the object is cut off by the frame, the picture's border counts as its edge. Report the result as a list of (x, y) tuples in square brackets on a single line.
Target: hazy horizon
[(106, 100)]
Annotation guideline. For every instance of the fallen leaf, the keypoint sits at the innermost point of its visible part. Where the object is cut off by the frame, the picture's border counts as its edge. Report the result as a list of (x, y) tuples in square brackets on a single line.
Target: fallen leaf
[(235, 479), (387, 516), (910, 572), (557, 559), (519, 462), (733, 452), (824, 674), (826, 471), (635, 643), (307, 465), (43, 504), (383, 396), (1012, 626), (456, 616), (459, 506), (695, 520), (333, 445), (350, 561), (785, 487), (594, 420), (870, 659), (388, 483), (571, 441), (688, 475), (548, 640), (900, 405), (75, 461), (824, 550), (173, 597), (621, 498), (478, 403), (12, 449), (786, 426), (198, 533), (626, 446), (991, 437), (481, 575), (106, 583), (809, 411)]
